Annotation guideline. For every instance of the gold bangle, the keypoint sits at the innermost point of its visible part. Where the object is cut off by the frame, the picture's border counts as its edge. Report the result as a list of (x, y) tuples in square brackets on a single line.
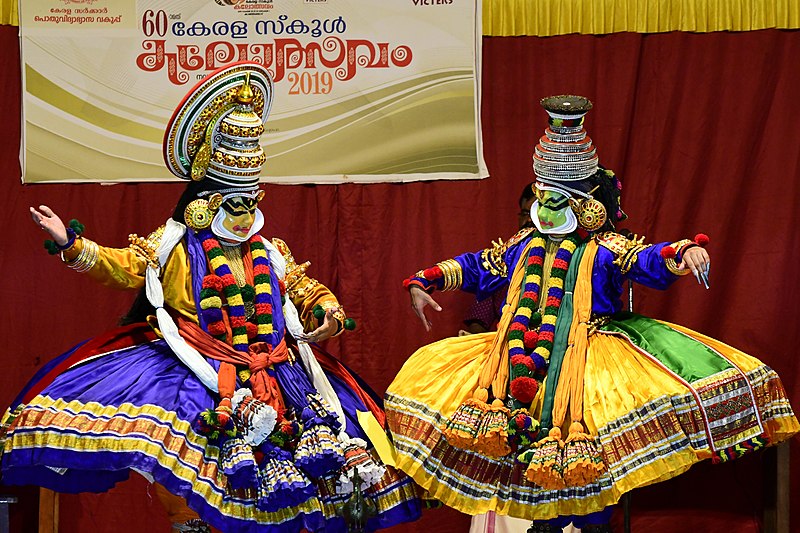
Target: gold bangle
[(451, 271), (670, 262), (86, 259)]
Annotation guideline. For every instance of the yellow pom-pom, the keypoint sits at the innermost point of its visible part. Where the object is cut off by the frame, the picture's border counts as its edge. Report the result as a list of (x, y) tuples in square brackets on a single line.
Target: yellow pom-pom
[(555, 433), (481, 394), (576, 427), (497, 403)]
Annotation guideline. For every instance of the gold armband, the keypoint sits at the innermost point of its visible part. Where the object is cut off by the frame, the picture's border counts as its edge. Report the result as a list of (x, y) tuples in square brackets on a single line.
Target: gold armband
[(338, 310), (146, 248), (626, 250)]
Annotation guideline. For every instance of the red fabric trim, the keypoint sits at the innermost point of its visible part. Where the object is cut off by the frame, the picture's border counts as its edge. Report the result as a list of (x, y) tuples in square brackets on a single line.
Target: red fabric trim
[(332, 365), (113, 340)]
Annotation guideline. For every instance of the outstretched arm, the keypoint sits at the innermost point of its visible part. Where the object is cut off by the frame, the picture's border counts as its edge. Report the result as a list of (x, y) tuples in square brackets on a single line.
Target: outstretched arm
[(480, 273), (659, 265), (121, 268)]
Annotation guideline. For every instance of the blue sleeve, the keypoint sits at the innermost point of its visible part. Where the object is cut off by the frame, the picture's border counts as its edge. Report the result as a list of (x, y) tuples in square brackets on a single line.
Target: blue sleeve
[(482, 273), (650, 270), (608, 280), (485, 273)]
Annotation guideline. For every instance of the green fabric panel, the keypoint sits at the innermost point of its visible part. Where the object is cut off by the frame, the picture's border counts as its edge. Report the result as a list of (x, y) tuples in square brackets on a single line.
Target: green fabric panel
[(563, 324), (688, 358)]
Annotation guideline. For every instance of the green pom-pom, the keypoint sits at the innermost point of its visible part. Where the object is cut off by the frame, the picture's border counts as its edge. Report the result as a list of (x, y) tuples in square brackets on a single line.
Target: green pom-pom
[(51, 247), (76, 226), (349, 324), (248, 293), (520, 370), (319, 312)]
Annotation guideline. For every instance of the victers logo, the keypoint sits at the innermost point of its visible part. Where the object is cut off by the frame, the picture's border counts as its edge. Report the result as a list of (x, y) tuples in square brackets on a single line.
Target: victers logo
[(432, 2)]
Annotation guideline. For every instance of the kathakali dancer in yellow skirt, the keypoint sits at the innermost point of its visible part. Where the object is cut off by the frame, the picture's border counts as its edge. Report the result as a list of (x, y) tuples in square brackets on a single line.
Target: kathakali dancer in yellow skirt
[(572, 402)]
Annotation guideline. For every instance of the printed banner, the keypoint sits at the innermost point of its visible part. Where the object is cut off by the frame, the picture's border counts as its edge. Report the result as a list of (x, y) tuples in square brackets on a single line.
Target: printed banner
[(365, 90)]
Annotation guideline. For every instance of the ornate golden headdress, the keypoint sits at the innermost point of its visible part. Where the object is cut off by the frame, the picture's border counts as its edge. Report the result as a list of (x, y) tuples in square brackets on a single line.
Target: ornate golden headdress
[(214, 133)]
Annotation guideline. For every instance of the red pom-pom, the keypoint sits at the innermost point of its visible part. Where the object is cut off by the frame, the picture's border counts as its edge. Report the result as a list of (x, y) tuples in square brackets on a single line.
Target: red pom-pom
[(223, 417), (523, 360), (212, 281), (524, 389), (519, 420), (252, 330), (530, 339), (432, 273), (668, 252), (701, 239), (216, 328), (282, 286)]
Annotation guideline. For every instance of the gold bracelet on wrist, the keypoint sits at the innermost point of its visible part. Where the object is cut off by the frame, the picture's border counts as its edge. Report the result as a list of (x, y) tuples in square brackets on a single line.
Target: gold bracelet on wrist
[(670, 262), (87, 257)]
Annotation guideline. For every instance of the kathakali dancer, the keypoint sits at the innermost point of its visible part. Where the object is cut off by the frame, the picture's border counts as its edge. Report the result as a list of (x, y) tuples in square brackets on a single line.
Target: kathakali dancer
[(572, 402), (215, 394)]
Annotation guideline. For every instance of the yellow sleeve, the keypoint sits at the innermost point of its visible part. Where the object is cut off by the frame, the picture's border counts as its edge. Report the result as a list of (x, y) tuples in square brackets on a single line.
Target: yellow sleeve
[(306, 292), (124, 268), (119, 268)]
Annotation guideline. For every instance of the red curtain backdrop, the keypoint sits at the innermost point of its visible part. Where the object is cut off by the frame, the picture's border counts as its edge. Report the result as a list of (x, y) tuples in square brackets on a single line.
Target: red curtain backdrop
[(701, 128)]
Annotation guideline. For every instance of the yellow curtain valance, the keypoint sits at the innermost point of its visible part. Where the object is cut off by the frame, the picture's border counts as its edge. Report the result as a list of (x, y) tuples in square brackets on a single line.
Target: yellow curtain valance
[(544, 18), (8, 12), (558, 17)]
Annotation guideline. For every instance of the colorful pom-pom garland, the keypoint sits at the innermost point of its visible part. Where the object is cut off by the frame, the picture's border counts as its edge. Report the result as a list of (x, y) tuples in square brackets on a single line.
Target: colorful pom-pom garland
[(531, 333), (221, 283)]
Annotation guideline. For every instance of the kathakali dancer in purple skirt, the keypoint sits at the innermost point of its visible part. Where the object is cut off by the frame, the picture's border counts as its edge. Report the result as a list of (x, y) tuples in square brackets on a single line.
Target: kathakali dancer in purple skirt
[(216, 394), (572, 402)]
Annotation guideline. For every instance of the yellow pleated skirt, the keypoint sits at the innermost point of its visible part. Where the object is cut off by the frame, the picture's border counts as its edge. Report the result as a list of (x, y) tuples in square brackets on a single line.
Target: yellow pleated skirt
[(649, 424)]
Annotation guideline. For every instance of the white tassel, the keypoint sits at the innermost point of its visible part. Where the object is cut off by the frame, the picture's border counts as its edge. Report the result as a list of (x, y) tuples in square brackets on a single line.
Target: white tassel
[(255, 418), (369, 471), (173, 233)]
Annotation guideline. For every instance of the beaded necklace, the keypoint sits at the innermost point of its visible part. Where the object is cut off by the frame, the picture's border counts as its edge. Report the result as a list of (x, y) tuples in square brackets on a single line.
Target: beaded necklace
[(531, 333), (222, 281)]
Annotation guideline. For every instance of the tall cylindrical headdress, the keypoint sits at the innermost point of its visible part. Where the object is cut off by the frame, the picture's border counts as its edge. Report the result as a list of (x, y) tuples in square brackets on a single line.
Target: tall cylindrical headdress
[(214, 132), (566, 160), (565, 156)]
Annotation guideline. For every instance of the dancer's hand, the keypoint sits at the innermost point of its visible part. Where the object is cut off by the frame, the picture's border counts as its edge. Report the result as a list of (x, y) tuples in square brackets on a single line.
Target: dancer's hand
[(51, 223), (698, 261), (419, 300), (327, 330)]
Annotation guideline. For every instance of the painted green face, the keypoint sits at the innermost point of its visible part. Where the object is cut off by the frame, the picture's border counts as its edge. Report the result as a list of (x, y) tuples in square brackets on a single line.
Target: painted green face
[(240, 212), (552, 211)]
